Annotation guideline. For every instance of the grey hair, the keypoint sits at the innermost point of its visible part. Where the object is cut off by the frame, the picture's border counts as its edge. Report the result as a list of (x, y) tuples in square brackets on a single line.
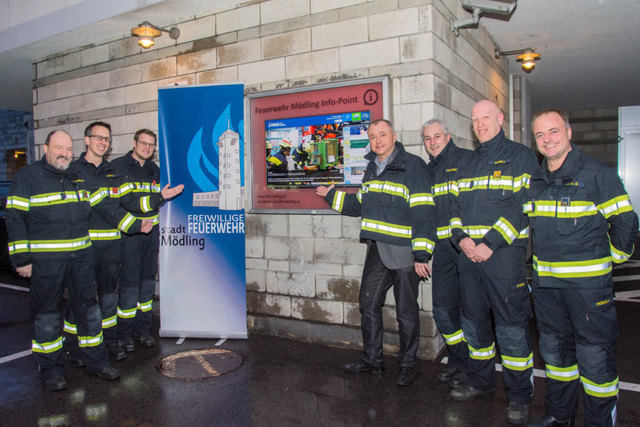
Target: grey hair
[(433, 122)]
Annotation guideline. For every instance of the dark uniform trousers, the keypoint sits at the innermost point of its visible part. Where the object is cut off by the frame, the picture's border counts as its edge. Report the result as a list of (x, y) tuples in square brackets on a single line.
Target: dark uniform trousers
[(578, 329), (376, 281), (137, 282), (446, 303), (47, 286), (497, 286), (107, 259)]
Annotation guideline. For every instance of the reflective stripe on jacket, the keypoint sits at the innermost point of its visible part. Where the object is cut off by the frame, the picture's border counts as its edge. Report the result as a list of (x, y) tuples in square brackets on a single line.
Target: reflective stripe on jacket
[(396, 207), (582, 222)]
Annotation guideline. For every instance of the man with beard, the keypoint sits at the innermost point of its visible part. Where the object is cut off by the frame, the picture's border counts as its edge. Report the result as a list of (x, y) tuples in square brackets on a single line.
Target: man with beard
[(141, 195), (47, 222)]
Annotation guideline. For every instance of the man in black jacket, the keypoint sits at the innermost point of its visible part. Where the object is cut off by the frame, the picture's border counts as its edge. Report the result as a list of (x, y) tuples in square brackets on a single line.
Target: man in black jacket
[(582, 222), (106, 222), (446, 161), (141, 195), (47, 222), (397, 222), (492, 232)]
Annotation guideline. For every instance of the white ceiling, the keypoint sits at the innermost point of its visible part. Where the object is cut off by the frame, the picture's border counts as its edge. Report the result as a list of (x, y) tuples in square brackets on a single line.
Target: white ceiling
[(590, 48)]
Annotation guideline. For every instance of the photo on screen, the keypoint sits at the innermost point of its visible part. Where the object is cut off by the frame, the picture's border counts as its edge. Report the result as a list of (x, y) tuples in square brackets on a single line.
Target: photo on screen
[(316, 150)]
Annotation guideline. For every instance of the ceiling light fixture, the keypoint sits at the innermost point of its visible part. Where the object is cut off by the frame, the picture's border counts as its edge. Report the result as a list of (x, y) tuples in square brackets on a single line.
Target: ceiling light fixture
[(147, 32), (527, 56)]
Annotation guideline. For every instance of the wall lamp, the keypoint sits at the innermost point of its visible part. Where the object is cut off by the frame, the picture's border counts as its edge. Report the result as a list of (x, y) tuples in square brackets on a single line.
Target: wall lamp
[(527, 56), (147, 32), (477, 7)]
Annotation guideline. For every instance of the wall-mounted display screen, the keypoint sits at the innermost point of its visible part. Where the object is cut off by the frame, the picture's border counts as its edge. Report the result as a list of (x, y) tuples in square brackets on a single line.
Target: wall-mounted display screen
[(300, 138), (323, 149)]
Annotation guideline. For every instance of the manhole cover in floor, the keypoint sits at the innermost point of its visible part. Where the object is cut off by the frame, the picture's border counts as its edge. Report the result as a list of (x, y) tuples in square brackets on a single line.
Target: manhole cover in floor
[(197, 364)]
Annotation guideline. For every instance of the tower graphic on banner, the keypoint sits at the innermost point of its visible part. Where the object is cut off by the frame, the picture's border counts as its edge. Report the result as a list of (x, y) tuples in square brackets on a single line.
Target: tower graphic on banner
[(230, 191)]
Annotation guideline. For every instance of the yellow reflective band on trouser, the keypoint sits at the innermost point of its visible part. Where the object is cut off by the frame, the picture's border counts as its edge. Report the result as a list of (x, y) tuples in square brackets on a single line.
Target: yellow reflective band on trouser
[(517, 363), (145, 306), (572, 269), (109, 322), (570, 373), (619, 256), (46, 347), (609, 389), (70, 328), (127, 314), (455, 338), (90, 341), (483, 353), (381, 227)]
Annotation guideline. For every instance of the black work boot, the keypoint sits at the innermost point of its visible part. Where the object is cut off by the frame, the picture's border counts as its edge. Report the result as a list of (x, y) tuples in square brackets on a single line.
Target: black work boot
[(361, 366), (467, 392), (549, 421), (405, 376), (56, 383), (517, 413)]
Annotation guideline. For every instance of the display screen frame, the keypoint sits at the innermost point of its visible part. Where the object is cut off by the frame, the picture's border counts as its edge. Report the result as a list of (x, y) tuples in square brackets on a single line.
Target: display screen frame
[(363, 95)]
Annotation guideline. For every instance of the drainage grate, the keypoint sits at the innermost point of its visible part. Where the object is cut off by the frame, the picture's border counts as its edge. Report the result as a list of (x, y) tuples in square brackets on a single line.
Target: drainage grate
[(198, 364)]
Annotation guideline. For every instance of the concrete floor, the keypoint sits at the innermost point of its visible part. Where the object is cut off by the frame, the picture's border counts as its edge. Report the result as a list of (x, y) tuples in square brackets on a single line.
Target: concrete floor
[(280, 383)]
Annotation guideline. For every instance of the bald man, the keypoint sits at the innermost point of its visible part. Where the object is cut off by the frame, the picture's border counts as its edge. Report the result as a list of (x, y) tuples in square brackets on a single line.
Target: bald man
[(489, 227)]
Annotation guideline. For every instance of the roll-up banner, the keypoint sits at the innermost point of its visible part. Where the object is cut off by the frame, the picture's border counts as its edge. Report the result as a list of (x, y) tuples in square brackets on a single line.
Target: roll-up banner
[(202, 247)]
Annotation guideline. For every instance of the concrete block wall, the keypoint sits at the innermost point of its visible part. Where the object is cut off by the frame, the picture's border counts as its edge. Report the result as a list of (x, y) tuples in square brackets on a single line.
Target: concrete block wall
[(303, 271), (595, 131)]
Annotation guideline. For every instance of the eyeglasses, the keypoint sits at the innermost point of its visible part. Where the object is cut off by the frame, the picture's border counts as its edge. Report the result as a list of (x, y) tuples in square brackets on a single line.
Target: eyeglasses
[(147, 144), (101, 138)]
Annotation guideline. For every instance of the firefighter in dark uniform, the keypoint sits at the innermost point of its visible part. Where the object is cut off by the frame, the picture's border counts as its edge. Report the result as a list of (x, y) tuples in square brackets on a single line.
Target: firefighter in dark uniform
[(278, 162), (397, 222), (445, 162), (301, 155), (492, 232), (47, 221), (581, 222), (140, 194), (106, 222)]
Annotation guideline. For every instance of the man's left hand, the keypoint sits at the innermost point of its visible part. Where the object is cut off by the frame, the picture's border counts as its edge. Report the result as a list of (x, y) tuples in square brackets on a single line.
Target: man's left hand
[(482, 253), (168, 193), (422, 269)]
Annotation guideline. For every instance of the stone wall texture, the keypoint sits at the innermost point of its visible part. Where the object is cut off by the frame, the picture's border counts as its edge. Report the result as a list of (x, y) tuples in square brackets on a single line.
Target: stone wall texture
[(303, 271)]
